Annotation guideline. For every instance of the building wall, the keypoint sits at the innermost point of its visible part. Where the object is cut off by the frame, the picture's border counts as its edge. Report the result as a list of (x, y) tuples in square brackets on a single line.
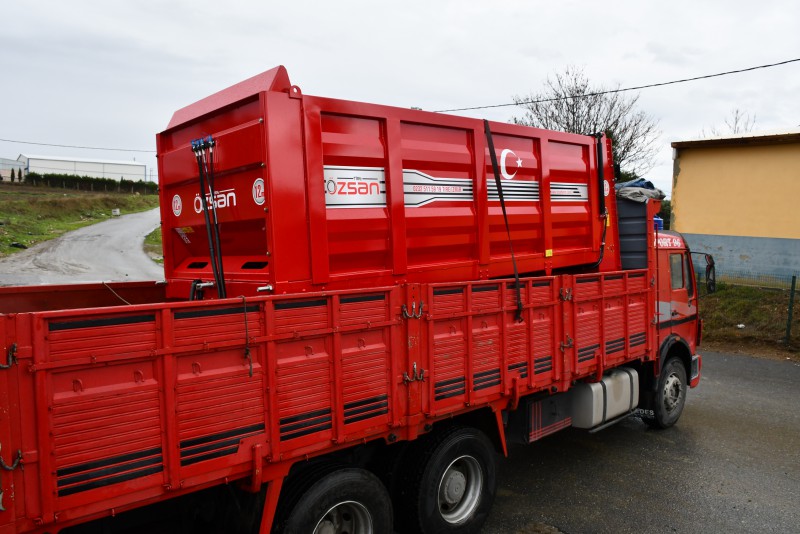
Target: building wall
[(6, 165), (740, 203), (749, 255), (93, 169), (738, 191)]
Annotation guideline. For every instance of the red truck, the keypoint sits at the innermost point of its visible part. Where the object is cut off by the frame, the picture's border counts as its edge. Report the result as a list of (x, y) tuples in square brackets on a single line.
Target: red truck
[(362, 306)]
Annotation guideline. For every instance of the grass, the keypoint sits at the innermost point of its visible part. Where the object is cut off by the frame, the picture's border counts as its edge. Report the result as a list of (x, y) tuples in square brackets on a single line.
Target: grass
[(749, 315), (31, 215), (152, 246)]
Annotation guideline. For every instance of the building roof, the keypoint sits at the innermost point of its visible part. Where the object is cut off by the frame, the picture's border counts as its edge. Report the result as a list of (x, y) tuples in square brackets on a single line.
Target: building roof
[(83, 160), (765, 137)]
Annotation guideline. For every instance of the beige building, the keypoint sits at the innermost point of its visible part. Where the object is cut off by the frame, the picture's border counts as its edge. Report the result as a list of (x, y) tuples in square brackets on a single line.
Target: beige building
[(738, 198)]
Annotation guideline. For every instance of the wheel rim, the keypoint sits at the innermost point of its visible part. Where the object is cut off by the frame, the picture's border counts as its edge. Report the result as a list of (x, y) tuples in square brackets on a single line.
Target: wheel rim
[(348, 517), (673, 390), (460, 489)]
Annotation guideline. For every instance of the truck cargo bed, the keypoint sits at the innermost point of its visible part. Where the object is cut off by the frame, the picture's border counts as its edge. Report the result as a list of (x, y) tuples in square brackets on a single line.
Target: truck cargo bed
[(111, 406)]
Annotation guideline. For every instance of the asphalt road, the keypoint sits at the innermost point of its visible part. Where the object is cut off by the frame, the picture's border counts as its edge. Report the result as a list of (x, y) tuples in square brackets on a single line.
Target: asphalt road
[(731, 464), (110, 251)]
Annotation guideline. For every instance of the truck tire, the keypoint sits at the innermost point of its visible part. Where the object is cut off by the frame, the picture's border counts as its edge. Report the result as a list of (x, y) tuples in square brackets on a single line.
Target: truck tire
[(670, 395), (453, 487), (345, 501)]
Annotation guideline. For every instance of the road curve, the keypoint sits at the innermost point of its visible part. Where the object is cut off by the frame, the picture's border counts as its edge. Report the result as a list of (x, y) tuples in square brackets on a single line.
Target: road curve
[(110, 251)]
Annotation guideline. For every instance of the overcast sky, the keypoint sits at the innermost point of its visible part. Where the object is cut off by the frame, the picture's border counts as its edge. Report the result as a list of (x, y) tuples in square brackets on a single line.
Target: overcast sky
[(111, 73)]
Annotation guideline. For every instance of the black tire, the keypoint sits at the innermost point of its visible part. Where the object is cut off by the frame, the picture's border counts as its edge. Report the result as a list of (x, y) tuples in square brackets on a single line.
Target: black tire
[(346, 500), (453, 486), (670, 395)]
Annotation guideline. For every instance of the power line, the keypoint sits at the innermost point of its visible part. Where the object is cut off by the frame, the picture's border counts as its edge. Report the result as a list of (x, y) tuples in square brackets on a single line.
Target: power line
[(611, 91), (522, 102), (74, 146)]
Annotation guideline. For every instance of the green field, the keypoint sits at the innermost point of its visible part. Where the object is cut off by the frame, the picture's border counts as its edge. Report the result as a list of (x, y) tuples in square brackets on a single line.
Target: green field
[(750, 316), (30, 215)]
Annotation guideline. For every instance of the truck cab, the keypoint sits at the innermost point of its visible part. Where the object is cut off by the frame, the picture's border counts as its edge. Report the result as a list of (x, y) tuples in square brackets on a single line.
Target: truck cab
[(677, 294)]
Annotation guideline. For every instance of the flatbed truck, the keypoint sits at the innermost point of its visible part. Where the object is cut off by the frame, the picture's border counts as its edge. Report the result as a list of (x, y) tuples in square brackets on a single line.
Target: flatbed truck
[(362, 306)]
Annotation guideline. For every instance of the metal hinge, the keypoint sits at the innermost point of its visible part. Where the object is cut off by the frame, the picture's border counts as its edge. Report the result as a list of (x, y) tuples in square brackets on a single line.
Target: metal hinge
[(7, 467), (565, 293), (414, 313), (568, 345), (415, 377), (12, 357)]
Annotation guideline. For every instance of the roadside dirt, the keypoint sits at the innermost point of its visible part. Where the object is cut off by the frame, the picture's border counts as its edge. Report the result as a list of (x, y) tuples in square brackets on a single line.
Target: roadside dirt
[(759, 350)]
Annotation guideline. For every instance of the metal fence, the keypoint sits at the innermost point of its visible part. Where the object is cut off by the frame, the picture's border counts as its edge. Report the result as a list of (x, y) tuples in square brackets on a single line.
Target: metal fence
[(750, 307)]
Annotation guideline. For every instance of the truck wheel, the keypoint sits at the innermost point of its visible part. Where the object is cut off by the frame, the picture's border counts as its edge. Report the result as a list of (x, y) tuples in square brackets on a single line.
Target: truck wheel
[(670, 396), (351, 501), (454, 486)]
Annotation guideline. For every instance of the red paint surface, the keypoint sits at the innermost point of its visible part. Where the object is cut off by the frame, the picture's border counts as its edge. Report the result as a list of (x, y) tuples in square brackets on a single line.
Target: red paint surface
[(432, 215)]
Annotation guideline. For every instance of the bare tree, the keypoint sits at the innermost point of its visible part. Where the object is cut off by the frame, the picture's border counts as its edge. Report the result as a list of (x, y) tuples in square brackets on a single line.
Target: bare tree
[(569, 103), (739, 122)]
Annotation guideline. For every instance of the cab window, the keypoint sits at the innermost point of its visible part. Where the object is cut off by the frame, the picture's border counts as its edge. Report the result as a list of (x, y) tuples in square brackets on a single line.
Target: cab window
[(676, 271), (689, 280)]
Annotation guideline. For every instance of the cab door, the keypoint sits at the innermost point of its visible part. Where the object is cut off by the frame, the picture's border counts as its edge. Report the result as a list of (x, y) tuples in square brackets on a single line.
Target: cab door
[(677, 295)]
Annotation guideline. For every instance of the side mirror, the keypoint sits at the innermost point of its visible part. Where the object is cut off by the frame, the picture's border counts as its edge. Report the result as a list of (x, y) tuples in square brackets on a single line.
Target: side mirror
[(711, 274)]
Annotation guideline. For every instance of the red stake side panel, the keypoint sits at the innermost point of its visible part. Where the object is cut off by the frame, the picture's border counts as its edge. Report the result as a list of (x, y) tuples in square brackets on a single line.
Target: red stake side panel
[(321, 193), (127, 405), (114, 407)]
